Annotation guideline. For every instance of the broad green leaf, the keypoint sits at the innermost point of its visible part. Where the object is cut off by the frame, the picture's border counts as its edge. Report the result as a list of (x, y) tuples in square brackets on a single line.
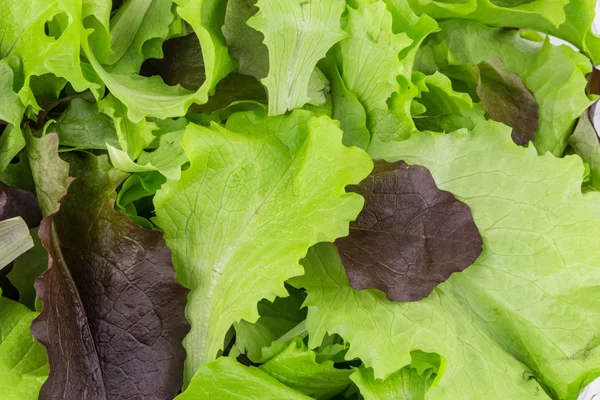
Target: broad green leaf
[(137, 27), (297, 35), (246, 45), (555, 75), (82, 125), (527, 307), (143, 96), (50, 172), (297, 368), (227, 379), (257, 193), (26, 268), (23, 363), (14, 240)]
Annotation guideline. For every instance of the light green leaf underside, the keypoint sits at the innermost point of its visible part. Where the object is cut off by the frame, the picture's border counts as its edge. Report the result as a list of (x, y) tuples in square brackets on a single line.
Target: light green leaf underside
[(555, 75), (297, 35), (530, 303), (14, 240), (23, 363), (257, 194), (227, 379)]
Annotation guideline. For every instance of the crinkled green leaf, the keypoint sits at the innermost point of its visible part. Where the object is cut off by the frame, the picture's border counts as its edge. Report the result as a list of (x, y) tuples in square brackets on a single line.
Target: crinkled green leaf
[(276, 319), (297, 368), (527, 307), (257, 194), (570, 20), (297, 35), (23, 363), (246, 45), (82, 125), (22, 35), (555, 75), (227, 379), (409, 383), (369, 61), (446, 110), (143, 96), (11, 107)]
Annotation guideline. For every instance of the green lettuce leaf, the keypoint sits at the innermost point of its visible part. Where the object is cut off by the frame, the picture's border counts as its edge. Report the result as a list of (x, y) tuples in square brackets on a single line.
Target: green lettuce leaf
[(143, 96), (258, 193), (555, 75), (445, 110), (296, 366), (138, 30), (295, 47), (227, 379), (82, 125), (410, 383), (14, 240), (246, 45), (570, 20), (23, 363), (527, 307), (276, 319)]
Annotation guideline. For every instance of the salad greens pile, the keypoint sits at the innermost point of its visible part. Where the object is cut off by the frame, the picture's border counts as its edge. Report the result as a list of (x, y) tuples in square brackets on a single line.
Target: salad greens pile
[(294, 199)]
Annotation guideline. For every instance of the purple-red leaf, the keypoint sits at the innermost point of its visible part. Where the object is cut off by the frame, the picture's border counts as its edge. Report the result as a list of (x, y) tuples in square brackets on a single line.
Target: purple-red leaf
[(113, 317), (507, 100), (410, 236), (19, 203)]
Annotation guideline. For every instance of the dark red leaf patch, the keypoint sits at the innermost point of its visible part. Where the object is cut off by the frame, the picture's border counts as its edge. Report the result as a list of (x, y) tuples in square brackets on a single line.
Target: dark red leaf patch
[(410, 236)]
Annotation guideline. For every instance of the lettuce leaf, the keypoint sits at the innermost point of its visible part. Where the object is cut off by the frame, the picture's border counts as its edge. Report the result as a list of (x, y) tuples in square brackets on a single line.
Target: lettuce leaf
[(259, 177)]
